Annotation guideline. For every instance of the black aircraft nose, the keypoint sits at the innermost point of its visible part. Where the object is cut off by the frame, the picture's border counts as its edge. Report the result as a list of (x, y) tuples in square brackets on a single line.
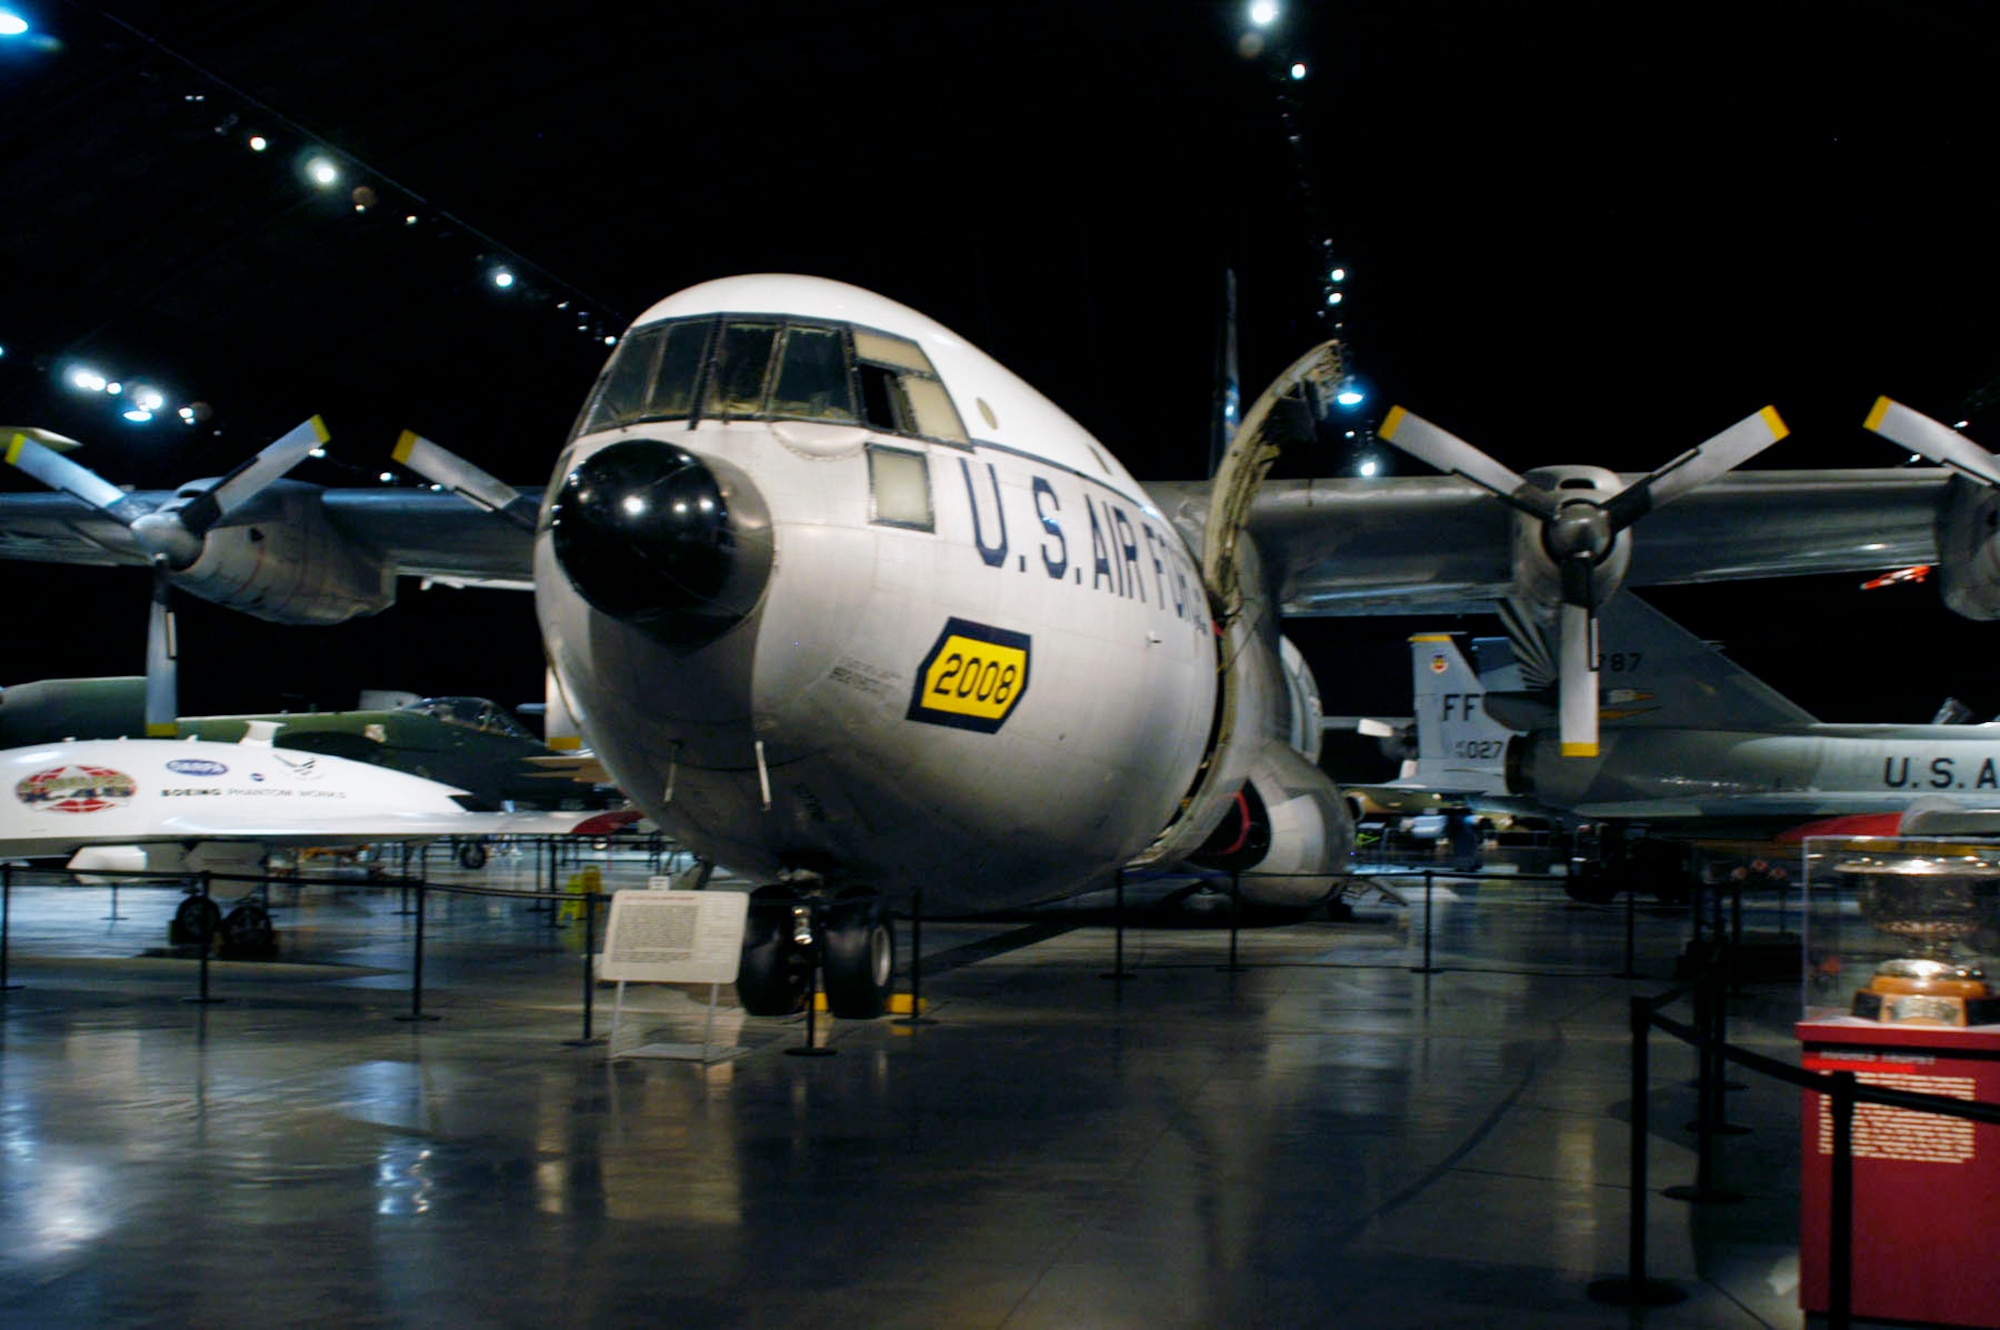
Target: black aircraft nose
[(677, 546)]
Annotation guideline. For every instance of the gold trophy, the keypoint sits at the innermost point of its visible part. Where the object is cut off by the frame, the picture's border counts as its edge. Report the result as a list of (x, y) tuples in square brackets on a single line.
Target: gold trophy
[(1932, 899)]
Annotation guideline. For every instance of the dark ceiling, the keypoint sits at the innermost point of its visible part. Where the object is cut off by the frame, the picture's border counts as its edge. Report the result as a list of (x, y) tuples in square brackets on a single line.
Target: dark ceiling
[(1575, 232)]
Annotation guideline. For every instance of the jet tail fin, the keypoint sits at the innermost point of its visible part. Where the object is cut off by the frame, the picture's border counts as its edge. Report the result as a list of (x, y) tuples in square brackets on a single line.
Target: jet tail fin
[(1460, 749), (1656, 673)]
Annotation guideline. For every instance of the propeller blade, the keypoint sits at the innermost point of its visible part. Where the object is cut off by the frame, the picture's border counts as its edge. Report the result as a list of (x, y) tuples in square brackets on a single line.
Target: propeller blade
[(1933, 439), (1577, 681), (1449, 453), (254, 475), (441, 466), (162, 659), (80, 482), (1696, 467)]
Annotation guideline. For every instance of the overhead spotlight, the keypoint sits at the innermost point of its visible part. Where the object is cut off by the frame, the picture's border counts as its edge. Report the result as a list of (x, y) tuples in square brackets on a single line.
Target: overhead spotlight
[(1369, 466), (318, 452), (114, 387), (388, 478), (364, 198), (610, 340), (1961, 424), (503, 278), (186, 414), (1264, 13), (138, 415), (410, 220), (12, 24), (258, 143), (148, 399), (321, 171), (1334, 297), (1350, 396), (87, 379), (1337, 275), (1298, 72)]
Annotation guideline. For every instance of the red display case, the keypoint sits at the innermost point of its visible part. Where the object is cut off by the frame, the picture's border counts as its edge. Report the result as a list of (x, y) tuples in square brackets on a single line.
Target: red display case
[(1926, 1187)]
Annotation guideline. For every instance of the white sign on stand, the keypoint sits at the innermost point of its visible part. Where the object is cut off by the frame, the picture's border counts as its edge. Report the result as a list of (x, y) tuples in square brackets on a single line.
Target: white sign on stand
[(674, 937)]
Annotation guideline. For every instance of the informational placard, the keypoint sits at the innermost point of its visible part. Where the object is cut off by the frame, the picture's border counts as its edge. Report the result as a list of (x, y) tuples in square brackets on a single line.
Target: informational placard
[(674, 937)]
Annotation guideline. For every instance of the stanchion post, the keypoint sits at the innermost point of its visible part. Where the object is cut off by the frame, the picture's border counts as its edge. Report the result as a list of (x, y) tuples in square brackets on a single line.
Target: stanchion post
[(811, 1049), (1429, 894), (417, 1012), (207, 943), (916, 1015), (1840, 1209), (1631, 932), (1118, 970), (1636, 1288), (589, 971), (6, 913), (1235, 919)]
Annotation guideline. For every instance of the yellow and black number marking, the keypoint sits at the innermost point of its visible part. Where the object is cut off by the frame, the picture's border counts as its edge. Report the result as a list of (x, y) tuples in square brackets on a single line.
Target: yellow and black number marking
[(972, 679)]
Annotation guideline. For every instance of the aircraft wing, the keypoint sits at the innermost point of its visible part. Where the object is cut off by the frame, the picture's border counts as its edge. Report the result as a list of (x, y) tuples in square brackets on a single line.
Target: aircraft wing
[(1440, 544), (418, 533), (325, 831)]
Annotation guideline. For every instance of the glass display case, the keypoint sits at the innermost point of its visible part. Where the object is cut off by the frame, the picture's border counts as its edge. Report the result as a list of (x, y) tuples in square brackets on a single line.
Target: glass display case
[(1902, 931)]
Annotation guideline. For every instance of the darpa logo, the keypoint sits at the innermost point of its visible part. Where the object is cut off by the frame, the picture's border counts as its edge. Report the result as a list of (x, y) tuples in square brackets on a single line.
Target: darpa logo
[(196, 766)]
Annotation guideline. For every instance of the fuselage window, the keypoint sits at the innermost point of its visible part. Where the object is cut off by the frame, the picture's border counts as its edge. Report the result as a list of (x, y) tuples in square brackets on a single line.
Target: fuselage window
[(900, 484)]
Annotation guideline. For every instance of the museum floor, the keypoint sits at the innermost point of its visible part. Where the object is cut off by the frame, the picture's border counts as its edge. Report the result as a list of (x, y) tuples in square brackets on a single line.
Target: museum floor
[(1323, 1139)]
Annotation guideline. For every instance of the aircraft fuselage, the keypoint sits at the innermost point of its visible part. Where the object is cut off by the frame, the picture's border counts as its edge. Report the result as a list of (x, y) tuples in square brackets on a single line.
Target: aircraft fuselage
[(867, 649)]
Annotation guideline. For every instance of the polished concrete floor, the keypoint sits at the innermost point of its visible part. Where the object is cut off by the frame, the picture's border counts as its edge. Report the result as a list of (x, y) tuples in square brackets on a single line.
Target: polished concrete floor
[(1325, 1138)]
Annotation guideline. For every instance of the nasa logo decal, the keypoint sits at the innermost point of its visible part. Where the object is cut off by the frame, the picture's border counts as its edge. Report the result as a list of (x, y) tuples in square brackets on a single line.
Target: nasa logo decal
[(76, 789), (1438, 664), (196, 766), (972, 679)]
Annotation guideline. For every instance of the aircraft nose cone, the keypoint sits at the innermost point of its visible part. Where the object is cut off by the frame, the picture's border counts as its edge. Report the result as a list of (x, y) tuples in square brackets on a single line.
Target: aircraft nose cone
[(677, 546)]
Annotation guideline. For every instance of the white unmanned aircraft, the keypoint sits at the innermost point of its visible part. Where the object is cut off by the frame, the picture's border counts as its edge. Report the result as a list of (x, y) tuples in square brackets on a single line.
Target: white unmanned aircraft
[(846, 606)]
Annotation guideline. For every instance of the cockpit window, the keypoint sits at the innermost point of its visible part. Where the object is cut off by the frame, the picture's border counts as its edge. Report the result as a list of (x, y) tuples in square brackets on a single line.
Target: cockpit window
[(813, 382), (749, 368), (474, 713)]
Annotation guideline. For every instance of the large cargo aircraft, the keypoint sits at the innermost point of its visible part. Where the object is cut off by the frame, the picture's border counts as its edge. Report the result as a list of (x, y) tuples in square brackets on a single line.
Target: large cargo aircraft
[(847, 607)]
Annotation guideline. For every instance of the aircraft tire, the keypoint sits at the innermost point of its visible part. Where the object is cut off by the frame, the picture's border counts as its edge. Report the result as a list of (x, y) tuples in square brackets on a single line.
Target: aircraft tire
[(472, 855), (772, 979), (247, 934), (860, 958), (194, 923)]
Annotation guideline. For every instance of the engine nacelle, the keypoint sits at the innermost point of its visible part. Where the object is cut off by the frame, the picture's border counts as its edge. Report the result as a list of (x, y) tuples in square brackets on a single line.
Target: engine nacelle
[(280, 559), (1537, 576), (1290, 835), (1968, 540)]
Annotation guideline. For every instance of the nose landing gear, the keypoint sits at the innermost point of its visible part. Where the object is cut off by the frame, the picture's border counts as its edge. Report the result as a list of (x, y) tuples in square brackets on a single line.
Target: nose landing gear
[(849, 938)]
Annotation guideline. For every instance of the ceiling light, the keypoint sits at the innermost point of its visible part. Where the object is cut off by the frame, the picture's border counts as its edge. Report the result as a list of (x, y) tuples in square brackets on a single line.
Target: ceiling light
[(258, 143), (87, 379), (138, 415), (1369, 467), (1338, 275), (1334, 297), (1298, 72), (387, 478), (1264, 13), (322, 171), (148, 399), (12, 24), (502, 278)]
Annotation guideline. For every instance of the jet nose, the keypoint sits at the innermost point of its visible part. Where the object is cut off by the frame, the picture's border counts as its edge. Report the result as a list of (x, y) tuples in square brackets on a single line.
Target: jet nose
[(675, 545)]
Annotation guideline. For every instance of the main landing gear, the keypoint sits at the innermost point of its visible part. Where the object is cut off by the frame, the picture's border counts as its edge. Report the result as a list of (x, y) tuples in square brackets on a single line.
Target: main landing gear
[(244, 934), (849, 938)]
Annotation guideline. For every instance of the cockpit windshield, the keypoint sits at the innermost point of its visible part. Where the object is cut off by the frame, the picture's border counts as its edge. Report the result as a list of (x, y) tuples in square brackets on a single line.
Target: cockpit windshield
[(742, 367), (474, 713)]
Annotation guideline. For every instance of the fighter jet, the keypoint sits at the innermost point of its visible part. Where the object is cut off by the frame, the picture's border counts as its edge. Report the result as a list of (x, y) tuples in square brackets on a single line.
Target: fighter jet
[(849, 608), (1702, 763)]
